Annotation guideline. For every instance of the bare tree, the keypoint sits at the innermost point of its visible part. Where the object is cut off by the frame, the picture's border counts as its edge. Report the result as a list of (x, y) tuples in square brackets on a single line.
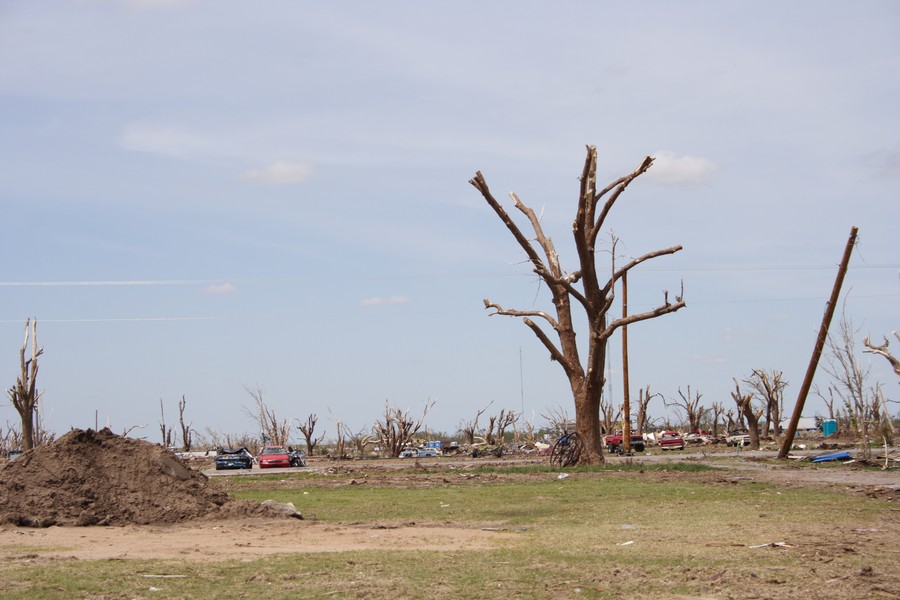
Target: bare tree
[(166, 432), (730, 422), (527, 431), (850, 380), (272, 430), (361, 440), (769, 389), (584, 286), (644, 397), (716, 412), (501, 423), (24, 394), (397, 428), (469, 429), (749, 412), (883, 351), (308, 429), (610, 416), (10, 439), (342, 433), (559, 421), (186, 430), (690, 404)]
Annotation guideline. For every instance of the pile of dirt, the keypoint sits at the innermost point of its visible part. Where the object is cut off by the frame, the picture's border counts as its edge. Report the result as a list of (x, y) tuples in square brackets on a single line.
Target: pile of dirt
[(99, 478)]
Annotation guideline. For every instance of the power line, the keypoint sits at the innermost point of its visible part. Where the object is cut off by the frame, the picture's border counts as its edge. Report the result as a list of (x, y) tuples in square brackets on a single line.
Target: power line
[(181, 282)]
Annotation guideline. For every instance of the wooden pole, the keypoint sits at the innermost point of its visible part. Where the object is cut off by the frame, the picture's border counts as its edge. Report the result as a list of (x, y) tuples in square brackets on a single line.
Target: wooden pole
[(626, 401), (817, 351)]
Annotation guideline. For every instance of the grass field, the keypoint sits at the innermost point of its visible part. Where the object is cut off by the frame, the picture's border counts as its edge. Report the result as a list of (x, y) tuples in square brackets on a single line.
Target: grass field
[(597, 533)]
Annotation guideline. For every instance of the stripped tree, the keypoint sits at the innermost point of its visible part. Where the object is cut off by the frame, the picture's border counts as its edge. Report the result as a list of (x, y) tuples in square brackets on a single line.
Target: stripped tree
[(583, 285), (24, 394), (186, 428), (690, 404), (644, 397), (469, 429), (883, 351), (749, 412), (397, 428), (272, 430), (769, 388), (308, 429), (715, 413)]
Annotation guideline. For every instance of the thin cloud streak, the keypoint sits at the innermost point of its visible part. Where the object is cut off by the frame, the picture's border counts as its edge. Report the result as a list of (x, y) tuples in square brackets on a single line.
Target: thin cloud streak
[(108, 283)]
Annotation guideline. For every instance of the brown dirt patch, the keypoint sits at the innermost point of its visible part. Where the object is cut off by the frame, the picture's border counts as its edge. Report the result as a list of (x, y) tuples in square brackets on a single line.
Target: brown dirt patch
[(98, 478), (244, 539)]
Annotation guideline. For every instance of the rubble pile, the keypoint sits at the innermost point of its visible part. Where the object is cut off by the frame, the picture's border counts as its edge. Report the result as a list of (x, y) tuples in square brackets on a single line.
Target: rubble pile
[(92, 477)]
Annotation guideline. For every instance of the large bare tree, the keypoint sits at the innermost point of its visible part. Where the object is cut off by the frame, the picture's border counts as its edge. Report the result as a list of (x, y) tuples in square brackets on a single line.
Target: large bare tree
[(768, 387), (24, 395), (592, 292)]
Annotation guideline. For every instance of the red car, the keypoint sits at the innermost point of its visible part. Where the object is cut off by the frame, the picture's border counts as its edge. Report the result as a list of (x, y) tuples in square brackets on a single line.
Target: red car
[(274, 456), (671, 440)]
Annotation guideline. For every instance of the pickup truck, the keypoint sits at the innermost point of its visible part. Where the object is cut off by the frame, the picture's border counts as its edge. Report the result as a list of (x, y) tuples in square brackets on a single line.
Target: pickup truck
[(670, 440), (614, 444)]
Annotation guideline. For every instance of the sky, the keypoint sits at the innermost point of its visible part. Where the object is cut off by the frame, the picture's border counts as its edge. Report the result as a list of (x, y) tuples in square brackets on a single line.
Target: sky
[(201, 199)]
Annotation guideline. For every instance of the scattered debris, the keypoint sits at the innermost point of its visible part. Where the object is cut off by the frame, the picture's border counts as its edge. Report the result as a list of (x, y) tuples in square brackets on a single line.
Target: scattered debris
[(628, 543), (562, 475), (773, 545), (831, 457)]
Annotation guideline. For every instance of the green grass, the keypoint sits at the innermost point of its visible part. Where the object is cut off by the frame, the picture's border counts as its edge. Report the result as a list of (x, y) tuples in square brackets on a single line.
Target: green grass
[(570, 540)]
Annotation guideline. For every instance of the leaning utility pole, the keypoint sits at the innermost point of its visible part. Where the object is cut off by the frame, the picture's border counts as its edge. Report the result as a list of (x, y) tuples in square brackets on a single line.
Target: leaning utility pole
[(817, 351), (626, 404)]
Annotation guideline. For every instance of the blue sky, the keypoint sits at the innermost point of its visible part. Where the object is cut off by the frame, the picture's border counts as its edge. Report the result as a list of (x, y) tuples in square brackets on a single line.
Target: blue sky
[(200, 197)]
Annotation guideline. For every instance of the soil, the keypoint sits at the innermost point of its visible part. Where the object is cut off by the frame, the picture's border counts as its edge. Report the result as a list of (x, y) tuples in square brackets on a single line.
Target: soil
[(99, 478), (165, 508)]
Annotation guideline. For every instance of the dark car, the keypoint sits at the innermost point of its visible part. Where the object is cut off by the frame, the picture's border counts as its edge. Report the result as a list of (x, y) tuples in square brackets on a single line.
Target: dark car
[(227, 458)]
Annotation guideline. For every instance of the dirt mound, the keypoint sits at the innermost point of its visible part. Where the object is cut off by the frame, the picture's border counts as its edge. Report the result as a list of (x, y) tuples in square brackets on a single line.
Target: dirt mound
[(99, 478)]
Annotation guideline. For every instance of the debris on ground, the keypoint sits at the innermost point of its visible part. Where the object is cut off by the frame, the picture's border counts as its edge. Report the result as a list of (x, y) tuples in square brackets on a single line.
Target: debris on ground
[(89, 477), (832, 457)]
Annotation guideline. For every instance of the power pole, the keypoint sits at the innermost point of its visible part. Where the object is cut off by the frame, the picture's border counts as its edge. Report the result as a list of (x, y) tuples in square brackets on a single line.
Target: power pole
[(626, 403), (817, 351)]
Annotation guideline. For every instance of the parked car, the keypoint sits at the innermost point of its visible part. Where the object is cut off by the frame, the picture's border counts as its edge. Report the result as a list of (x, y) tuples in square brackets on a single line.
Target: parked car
[(670, 440), (740, 437), (233, 458), (273, 457), (418, 453), (614, 442)]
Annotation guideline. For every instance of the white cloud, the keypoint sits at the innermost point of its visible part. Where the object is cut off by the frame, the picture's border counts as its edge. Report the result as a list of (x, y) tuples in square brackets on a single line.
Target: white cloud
[(378, 301), (280, 172), (218, 290), (684, 171)]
